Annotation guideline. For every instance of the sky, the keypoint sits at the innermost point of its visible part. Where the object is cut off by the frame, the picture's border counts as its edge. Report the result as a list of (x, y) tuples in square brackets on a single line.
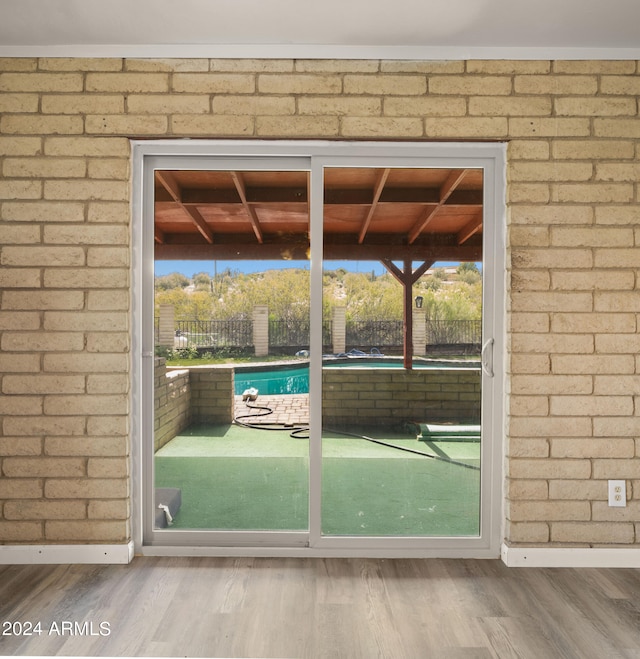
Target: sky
[(190, 268)]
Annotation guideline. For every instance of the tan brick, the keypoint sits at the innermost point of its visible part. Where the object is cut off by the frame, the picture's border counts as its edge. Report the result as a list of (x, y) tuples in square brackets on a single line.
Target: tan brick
[(566, 426), (42, 211), (509, 107), (29, 509), (111, 509), (43, 384), (43, 341), (108, 168), (549, 127), (529, 322), (375, 127), (335, 66), (587, 490), (528, 490), (85, 446), (83, 104), (298, 84), (618, 343), (86, 488), (167, 104), (109, 124), (455, 127), (602, 512), (107, 384), (86, 235), (620, 301), (553, 343), (628, 426), (256, 105), (592, 322), (616, 385), (594, 107), (592, 281), (85, 363), (39, 300), (86, 189), (166, 64), (79, 64), (593, 192), (552, 171), (427, 106), (100, 467), (108, 212), (616, 258), (590, 447), (41, 82), (85, 278), (476, 85), (591, 236), (21, 488), (253, 65), (591, 405), (44, 167), (528, 532), (625, 128), (18, 320), (21, 531), (592, 149), (385, 85), (18, 64), (108, 425), (528, 150), (20, 235), (628, 85), (559, 85), (592, 364), (529, 236), (617, 172), (33, 467), (22, 405), (552, 301), (529, 406), (594, 66), (306, 126), (84, 404), (42, 256), (19, 363), (526, 447), (18, 103), (214, 83), (528, 193), (20, 146), (548, 511), (530, 280), (87, 531), (107, 342), (129, 83), (116, 300), (20, 189), (32, 124), (98, 257), (20, 446), (552, 215), (87, 146), (187, 124), (592, 532)]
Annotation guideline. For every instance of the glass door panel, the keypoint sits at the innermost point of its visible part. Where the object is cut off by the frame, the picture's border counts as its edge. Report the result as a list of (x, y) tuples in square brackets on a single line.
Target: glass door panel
[(401, 372), (232, 351)]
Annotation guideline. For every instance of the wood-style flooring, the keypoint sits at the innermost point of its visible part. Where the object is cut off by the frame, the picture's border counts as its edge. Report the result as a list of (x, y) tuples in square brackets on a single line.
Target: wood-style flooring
[(286, 607)]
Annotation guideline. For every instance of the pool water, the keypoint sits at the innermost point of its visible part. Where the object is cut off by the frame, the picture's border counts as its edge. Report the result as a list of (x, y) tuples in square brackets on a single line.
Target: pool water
[(295, 379)]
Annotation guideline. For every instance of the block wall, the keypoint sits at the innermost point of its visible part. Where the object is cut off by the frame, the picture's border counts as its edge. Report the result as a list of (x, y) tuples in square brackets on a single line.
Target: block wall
[(212, 398), (573, 304), (172, 403), (390, 397)]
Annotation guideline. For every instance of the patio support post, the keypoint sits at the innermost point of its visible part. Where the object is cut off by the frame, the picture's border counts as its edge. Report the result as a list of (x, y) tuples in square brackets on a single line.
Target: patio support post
[(261, 330), (166, 326), (339, 330)]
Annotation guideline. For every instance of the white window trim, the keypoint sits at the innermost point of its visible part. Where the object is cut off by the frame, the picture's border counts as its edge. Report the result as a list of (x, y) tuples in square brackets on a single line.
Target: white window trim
[(492, 158)]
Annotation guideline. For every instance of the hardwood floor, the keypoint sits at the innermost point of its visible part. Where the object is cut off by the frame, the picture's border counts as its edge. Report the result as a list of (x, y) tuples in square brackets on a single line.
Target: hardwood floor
[(212, 607)]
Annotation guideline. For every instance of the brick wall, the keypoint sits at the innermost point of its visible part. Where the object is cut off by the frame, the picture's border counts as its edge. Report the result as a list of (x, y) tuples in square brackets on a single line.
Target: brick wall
[(389, 397), (172, 403), (574, 304)]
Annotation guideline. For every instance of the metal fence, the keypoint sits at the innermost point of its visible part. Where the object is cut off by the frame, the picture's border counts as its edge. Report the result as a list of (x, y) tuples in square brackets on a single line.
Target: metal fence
[(380, 333)]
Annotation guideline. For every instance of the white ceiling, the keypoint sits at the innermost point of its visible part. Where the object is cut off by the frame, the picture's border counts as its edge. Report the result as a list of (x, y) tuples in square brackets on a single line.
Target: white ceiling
[(432, 29)]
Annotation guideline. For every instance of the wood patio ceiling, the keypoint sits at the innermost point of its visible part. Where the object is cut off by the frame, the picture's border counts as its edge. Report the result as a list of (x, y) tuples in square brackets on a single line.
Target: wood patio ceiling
[(415, 214)]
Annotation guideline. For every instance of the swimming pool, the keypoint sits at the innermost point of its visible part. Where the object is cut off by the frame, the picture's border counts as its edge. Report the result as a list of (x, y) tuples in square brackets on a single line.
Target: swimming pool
[(294, 379)]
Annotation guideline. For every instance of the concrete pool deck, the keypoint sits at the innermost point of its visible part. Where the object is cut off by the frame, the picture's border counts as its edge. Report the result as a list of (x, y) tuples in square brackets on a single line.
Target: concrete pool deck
[(287, 408)]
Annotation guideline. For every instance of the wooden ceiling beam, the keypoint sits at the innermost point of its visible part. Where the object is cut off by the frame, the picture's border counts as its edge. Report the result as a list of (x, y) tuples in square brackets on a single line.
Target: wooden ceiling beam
[(470, 229), (238, 181), (383, 175), (446, 190), (170, 184)]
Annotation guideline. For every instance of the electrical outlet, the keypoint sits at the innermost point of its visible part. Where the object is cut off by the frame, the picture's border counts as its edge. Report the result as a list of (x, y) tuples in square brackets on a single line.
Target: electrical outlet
[(617, 493)]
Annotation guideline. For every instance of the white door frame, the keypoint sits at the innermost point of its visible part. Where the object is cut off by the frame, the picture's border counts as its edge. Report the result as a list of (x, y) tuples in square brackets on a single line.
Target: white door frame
[(176, 154)]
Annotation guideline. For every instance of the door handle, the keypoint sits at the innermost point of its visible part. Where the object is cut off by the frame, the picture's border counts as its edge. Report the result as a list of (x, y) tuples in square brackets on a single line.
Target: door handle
[(486, 358)]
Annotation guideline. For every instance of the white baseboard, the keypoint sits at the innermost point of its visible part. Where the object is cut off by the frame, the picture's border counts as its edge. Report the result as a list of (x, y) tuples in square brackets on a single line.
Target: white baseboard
[(65, 554), (567, 557)]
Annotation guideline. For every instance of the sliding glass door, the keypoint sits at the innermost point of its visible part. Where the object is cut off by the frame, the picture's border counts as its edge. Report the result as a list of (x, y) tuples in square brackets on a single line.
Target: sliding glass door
[(319, 374)]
